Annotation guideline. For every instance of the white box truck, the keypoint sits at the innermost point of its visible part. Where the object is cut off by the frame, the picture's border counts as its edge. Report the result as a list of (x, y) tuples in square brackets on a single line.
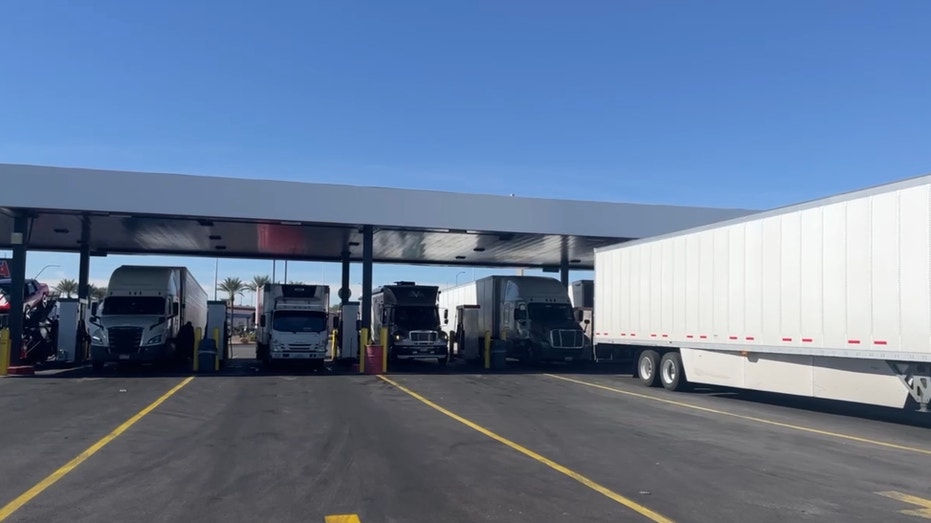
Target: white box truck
[(828, 299), (293, 323), (532, 314), (142, 314)]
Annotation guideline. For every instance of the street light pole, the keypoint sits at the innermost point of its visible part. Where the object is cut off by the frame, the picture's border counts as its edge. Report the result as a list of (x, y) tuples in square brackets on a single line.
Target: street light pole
[(457, 277), (36, 277), (286, 271), (216, 278)]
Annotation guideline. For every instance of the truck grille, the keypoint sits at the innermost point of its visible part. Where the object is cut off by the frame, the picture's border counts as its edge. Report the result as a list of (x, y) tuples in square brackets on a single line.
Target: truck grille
[(300, 347), (423, 336), (124, 340), (566, 339)]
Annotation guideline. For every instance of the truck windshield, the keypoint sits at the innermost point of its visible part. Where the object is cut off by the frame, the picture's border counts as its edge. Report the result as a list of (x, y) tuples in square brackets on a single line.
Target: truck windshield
[(120, 305), (416, 318), (550, 312), (300, 321)]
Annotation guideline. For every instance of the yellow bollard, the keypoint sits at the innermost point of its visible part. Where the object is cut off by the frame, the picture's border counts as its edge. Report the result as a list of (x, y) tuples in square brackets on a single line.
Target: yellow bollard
[(197, 337), (334, 348), (4, 351), (487, 349), (384, 350), (216, 341), (363, 341)]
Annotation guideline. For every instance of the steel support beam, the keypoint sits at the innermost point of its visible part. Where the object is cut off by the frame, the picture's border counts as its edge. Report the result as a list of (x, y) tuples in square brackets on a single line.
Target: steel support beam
[(17, 286), (84, 267), (368, 233), (344, 282)]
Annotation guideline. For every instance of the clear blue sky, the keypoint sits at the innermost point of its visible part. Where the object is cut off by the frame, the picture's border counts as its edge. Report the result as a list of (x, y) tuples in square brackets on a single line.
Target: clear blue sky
[(719, 103)]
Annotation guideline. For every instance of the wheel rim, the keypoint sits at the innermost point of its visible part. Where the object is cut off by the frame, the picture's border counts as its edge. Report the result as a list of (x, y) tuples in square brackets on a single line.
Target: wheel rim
[(646, 368), (669, 371)]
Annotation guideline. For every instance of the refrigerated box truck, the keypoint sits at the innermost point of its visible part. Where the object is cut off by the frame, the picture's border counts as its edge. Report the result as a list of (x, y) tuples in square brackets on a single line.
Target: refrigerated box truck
[(532, 314), (293, 323), (409, 313), (828, 299)]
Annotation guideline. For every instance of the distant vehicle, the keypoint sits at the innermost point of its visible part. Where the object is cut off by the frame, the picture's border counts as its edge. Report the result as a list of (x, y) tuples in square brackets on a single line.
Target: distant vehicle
[(34, 293), (293, 323), (410, 313), (532, 314), (143, 313), (826, 299)]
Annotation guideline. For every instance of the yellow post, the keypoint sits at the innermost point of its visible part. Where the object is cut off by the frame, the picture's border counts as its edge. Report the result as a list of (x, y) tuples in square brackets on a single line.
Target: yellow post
[(384, 350), (198, 333), (216, 341), (487, 349), (363, 342), (333, 346), (4, 351)]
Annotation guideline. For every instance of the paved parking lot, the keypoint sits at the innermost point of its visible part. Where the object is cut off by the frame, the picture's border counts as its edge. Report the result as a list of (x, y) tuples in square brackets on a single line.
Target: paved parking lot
[(427, 444)]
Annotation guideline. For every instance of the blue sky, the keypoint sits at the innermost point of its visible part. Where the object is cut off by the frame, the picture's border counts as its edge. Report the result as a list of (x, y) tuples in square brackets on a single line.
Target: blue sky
[(719, 103)]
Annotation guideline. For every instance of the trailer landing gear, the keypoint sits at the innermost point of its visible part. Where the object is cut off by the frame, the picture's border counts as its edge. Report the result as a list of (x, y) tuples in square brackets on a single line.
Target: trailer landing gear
[(917, 378)]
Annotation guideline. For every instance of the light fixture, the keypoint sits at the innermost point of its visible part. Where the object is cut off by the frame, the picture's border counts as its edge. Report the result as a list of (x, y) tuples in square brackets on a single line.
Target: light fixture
[(216, 237), (220, 247), (61, 231), (460, 257), (575, 261), (479, 249)]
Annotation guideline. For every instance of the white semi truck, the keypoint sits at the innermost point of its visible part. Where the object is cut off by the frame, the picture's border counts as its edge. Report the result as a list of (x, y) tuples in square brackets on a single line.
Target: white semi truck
[(828, 299), (143, 313), (531, 314), (292, 323)]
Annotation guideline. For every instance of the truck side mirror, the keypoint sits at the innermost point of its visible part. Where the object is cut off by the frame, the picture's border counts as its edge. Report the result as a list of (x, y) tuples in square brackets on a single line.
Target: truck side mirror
[(176, 308), (262, 321), (94, 309), (358, 325), (520, 314), (446, 315), (586, 322), (335, 322), (384, 317)]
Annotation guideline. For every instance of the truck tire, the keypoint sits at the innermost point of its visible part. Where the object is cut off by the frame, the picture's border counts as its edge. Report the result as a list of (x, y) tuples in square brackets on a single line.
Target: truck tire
[(672, 373), (648, 364)]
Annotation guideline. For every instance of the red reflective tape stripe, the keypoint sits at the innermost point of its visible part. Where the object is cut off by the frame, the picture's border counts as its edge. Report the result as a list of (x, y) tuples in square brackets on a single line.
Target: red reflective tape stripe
[(732, 337), (806, 340), (750, 338), (853, 342), (689, 336), (632, 334), (652, 335), (786, 339), (880, 342), (703, 337), (665, 335)]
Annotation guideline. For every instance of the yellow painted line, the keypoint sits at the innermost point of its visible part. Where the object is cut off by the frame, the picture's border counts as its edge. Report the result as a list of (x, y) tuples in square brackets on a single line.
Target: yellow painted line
[(345, 518), (914, 500), (605, 491), (764, 421), (53, 478)]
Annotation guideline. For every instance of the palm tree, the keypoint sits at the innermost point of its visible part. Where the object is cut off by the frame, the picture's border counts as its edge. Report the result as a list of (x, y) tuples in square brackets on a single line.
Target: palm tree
[(258, 281), (67, 287), (232, 286), (97, 293)]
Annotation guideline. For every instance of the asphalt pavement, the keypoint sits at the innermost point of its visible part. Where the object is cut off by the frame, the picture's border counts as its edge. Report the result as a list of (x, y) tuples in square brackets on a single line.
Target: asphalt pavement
[(433, 444)]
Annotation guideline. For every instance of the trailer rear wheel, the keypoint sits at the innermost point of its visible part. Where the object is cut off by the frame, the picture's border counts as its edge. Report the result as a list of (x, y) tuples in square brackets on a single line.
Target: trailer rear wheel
[(647, 367), (671, 372)]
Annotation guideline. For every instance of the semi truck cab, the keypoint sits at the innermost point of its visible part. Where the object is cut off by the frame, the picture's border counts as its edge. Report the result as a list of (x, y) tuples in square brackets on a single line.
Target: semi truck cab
[(411, 315)]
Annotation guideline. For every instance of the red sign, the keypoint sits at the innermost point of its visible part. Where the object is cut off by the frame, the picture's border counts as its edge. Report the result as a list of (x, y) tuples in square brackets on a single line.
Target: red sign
[(4, 269)]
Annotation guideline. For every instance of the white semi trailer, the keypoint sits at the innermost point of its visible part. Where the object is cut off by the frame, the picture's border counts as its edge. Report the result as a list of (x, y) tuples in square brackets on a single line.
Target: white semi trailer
[(828, 299)]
